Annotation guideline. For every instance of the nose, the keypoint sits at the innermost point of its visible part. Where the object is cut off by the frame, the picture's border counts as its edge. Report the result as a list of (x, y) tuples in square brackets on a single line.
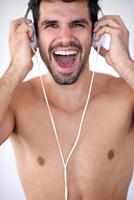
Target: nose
[(65, 34)]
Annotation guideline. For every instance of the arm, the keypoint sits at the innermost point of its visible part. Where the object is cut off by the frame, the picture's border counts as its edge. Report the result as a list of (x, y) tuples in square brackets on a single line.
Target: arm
[(118, 54), (128, 72), (20, 65)]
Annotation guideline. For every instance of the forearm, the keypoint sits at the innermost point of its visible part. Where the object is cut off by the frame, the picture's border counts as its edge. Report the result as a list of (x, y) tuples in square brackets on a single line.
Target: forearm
[(127, 72), (21, 64), (8, 85)]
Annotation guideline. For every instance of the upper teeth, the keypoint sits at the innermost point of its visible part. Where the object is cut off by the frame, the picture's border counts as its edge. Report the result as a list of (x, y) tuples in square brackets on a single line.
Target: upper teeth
[(72, 52)]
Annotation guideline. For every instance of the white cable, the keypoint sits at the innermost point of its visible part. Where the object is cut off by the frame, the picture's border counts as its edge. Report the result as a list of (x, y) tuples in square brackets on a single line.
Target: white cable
[(65, 162), (65, 180), (48, 107)]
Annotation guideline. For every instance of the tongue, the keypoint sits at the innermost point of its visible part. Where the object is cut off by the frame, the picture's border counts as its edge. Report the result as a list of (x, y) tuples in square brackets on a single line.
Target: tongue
[(65, 61)]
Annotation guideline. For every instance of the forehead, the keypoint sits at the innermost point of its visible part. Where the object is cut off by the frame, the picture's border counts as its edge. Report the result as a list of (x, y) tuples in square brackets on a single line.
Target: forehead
[(67, 10)]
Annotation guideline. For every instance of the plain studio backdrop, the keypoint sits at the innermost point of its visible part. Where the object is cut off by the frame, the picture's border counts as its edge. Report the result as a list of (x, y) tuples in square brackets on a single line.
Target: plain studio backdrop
[(10, 186)]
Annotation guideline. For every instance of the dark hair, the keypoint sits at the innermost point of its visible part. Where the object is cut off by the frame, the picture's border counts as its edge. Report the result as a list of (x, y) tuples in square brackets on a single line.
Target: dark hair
[(92, 4)]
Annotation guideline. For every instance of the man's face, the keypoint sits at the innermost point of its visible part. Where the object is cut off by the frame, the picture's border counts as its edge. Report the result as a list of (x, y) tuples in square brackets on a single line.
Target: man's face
[(65, 33)]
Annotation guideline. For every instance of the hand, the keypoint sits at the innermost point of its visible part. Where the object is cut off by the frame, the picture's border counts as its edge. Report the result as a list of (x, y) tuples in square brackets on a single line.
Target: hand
[(21, 34), (118, 53)]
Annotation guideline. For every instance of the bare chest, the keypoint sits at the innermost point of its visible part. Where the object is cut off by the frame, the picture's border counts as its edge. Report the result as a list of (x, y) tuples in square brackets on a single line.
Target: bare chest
[(104, 148)]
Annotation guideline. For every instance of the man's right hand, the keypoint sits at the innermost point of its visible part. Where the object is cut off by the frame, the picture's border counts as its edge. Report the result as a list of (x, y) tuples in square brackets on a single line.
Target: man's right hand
[(21, 34)]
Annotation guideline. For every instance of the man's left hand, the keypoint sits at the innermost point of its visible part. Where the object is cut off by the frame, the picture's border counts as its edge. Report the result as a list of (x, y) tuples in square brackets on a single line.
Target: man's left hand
[(118, 54)]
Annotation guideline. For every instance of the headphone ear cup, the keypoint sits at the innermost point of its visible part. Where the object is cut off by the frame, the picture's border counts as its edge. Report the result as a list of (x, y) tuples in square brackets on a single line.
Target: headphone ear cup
[(34, 44), (103, 42), (95, 44)]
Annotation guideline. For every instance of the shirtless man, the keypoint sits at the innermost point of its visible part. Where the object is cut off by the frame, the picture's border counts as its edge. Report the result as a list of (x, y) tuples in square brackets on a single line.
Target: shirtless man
[(101, 165)]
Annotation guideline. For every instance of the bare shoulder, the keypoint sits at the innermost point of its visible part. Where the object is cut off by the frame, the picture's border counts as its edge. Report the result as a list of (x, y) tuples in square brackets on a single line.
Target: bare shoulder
[(116, 91), (121, 87), (116, 86), (27, 93)]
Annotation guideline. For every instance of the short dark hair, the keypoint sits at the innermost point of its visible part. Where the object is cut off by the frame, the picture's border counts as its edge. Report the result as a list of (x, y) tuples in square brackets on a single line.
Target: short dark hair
[(93, 5)]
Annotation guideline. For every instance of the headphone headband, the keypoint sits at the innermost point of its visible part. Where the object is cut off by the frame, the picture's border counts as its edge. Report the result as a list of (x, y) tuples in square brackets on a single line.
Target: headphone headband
[(28, 9)]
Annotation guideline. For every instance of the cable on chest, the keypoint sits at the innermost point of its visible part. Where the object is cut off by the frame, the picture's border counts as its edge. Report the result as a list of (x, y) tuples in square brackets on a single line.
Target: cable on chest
[(65, 162)]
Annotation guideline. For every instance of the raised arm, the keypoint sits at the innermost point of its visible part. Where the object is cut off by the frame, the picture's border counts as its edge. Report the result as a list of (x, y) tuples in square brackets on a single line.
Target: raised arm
[(20, 65), (118, 55)]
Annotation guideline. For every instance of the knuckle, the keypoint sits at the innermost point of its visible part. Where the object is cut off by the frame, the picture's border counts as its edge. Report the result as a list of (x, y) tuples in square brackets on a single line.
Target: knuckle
[(23, 27), (118, 16), (17, 21), (110, 20), (13, 22), (119, 31), (126, 31)]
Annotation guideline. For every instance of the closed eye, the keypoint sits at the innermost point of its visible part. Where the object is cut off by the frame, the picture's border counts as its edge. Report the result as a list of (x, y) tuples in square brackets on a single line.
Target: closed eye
[(78, 25), (50, 24)]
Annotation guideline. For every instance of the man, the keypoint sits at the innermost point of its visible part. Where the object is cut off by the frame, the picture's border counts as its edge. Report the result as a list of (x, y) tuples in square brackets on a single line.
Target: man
[(101, 165)]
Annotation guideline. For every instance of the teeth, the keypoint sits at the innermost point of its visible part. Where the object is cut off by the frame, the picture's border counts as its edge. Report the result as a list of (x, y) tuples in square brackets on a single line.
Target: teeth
[(64, 53)]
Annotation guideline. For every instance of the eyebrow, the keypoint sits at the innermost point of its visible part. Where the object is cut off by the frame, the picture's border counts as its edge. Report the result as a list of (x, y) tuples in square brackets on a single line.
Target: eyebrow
[(82, 21), (47, 22)]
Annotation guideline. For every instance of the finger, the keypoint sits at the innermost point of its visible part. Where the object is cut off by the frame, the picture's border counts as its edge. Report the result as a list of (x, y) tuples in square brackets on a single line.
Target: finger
[(22, 34), (106, 29), (106, 22), (119, 19), (115, 18), (16, 23), (27, 32), (23, 28)]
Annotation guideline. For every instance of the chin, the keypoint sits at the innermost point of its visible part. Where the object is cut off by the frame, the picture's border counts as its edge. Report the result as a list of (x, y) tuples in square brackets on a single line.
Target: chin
[(68, 78)]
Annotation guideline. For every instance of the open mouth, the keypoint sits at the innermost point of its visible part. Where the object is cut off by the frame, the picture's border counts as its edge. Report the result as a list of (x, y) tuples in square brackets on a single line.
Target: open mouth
[(65, 58)]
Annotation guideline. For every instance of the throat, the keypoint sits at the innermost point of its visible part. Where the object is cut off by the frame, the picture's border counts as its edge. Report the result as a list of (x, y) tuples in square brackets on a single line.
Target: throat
[(70, 97), (71, 103)]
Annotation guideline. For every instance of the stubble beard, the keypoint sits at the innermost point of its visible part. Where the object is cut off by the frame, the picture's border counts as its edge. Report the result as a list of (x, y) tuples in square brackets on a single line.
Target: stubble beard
[(70, 78)]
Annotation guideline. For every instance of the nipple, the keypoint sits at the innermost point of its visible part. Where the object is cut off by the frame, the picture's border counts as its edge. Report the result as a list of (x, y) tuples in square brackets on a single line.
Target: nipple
[(41, 160), (110, 154)]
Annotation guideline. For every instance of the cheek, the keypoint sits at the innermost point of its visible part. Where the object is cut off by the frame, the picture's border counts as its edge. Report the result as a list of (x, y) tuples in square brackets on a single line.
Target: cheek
[(43, 47), (86, 42), (44, 41), (84, 37)]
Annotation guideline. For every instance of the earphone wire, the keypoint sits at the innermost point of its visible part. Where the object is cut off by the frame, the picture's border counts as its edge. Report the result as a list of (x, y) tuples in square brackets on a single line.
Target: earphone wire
[(65, 162), (48, 107)]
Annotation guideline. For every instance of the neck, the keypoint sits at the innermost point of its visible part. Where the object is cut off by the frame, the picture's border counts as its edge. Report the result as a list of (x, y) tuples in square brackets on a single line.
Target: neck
[(70, 97)]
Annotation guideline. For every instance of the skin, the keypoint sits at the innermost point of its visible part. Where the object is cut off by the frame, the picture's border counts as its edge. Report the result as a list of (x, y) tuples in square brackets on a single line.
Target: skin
[(101, 166)]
